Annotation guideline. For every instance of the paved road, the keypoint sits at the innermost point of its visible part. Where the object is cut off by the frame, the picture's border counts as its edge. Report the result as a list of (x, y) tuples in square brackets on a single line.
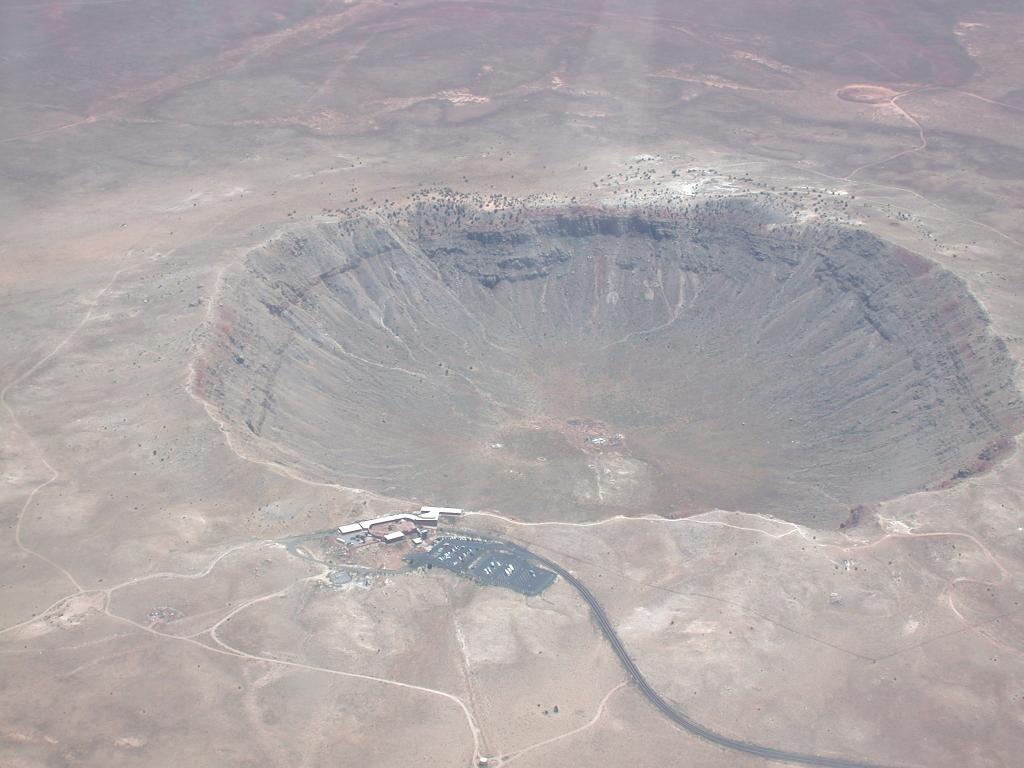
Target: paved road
[(671, 712)]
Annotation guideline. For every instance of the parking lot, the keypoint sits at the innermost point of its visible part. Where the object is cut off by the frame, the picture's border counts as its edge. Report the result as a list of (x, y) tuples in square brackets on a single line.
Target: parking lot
[(487, 563)]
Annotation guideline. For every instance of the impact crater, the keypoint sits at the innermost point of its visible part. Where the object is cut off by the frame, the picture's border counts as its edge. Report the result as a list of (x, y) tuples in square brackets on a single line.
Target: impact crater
[(571, 363)]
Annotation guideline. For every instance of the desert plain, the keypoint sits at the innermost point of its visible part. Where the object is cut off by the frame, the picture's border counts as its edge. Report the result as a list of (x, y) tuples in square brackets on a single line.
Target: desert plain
[(718, 307)]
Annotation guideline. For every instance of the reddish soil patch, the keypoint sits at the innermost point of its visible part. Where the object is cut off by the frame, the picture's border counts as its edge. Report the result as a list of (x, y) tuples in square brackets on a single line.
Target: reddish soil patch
[(988, 458), (857, 514)]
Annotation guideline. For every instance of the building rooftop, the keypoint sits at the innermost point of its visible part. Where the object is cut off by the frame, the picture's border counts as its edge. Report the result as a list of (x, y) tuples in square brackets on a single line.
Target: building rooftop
[(425, 515), (440, 510)]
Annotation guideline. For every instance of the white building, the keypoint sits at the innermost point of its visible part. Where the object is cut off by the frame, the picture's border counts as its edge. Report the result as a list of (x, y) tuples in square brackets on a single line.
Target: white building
[(451, 511), (428, 516), (368, 524)]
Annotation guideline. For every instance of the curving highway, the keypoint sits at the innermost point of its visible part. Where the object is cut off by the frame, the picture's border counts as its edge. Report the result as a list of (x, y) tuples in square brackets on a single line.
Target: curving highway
[(671, 712)]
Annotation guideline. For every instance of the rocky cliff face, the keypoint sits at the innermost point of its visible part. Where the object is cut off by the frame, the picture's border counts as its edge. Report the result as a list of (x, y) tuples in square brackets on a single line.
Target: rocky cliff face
[(579, 363)]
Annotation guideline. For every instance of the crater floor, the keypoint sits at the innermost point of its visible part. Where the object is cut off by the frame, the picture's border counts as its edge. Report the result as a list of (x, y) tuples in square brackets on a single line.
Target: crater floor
[(574, 363)]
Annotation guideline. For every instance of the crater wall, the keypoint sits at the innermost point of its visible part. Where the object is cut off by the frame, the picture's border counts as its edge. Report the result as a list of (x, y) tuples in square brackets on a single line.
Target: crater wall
[(576, 363)]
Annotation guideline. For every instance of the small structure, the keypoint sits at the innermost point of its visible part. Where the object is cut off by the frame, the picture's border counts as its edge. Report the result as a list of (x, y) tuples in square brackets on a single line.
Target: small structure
[(427, 518), (350, 528), (393, 536), (433, 513), (441, 510)]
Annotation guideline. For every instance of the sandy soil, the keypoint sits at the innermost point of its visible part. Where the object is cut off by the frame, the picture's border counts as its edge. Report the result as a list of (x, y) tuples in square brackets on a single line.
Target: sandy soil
[(148, 614)]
